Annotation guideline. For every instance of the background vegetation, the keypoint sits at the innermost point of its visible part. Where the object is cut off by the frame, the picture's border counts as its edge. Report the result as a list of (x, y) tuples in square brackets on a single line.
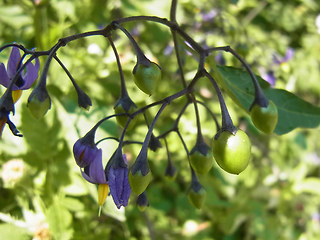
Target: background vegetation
[(42, 193)]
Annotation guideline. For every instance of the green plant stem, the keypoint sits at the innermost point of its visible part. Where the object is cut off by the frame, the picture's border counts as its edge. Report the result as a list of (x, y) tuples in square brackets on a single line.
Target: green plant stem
[(76, 86), (141, 58), (227, 123), (259, 95), (211, 113), (199, 134), (124, 92)]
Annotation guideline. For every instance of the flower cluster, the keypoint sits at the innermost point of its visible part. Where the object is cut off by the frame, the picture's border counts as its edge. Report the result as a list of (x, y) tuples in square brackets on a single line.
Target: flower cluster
[(114, 176)]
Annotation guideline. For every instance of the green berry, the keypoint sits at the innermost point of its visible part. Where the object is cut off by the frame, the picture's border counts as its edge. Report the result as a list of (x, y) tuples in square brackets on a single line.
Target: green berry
[(146, 78), (232, 152), (138, 182), (265, 118)]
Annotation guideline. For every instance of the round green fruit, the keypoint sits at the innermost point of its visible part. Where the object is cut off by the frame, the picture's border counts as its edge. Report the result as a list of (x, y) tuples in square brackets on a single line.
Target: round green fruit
[(232, 152), (265, 118), (122, 120), (201, 163), (146, 78)]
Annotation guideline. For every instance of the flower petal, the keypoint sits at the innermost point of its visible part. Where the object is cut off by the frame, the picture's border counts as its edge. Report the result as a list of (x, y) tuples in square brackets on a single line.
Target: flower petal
[(113, 187), (13, 61), (31, 75), (84, 153), (4, 78), (96, 171), (86, 177), (126, 188), (119, 186)]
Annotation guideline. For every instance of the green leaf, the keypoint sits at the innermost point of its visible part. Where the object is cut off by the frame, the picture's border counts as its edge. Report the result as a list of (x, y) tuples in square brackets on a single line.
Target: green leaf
[(59, 219), (293, 111), (10, 231)]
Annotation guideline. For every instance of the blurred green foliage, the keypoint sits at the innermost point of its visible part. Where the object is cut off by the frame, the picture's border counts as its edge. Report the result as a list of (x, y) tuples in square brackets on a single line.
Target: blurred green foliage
[(42, 193)]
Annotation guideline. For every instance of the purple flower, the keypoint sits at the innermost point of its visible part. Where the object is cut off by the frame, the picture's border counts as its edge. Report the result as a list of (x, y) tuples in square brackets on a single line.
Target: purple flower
[(85, 152), (94, 172), (268, 76), (118, 181), (26, 79), (280, 60)]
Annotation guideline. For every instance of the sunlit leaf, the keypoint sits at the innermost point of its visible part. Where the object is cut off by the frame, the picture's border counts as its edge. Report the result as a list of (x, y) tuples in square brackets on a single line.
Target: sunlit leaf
[(10, 231), (59, 219)]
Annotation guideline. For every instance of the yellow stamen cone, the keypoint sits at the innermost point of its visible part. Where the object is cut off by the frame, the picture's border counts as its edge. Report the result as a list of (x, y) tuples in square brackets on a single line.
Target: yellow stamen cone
[(16, 94), (103, 191)]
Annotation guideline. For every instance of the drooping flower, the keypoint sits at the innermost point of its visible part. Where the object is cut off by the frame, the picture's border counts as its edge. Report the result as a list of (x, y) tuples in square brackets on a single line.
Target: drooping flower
[(26, 78), (85, 151), (118, 180)]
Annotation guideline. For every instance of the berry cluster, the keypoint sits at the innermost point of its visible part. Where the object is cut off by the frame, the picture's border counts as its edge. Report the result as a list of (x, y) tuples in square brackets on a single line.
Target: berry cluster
[(231, 147)]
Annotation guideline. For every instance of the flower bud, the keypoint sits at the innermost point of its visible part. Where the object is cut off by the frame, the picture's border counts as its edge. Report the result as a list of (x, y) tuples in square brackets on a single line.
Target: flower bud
[(142, 202), (84, 100), (197, 194), (154, 143), (171, 171)]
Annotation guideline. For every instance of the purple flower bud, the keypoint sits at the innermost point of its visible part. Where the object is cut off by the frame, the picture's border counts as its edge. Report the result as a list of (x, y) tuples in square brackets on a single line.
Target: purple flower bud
[(118, 181), (85, 152), (154, 143), (142, 201)]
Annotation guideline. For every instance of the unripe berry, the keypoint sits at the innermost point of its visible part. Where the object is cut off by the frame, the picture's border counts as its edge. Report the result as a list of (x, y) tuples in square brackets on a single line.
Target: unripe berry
[(146, 78), (265, 118), (232, 152)]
